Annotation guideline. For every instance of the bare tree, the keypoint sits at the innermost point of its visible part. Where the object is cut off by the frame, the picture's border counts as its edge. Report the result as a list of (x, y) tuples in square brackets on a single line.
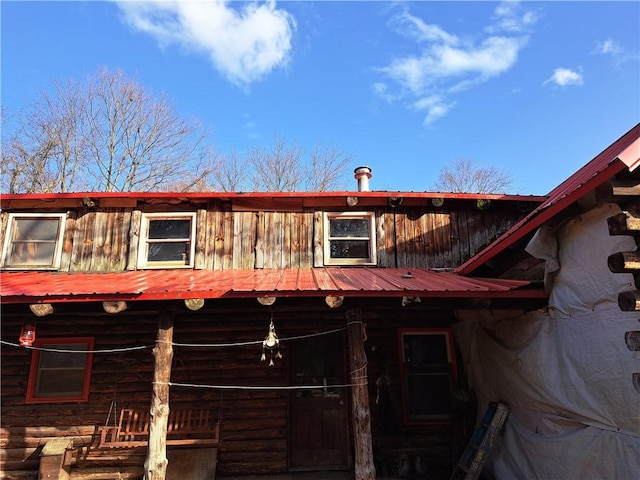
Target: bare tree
[(229, 173), (282, 166), (106, 134), (277, 168), (463, 176), (326, 169)]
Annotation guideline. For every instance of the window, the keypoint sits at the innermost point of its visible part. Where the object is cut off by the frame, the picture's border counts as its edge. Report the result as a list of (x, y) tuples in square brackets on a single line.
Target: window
[(60, 370), (350, 238), (33, 240), (428, 370), (167, 240)]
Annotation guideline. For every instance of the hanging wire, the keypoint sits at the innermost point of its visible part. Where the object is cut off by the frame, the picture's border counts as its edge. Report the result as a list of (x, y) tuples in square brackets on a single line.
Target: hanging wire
[(62, 350), (194, 345), (259, 387), (254, 342)]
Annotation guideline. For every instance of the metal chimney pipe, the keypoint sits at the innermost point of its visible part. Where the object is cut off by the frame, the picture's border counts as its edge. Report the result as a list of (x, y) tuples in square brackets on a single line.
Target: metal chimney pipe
[(362, 175)]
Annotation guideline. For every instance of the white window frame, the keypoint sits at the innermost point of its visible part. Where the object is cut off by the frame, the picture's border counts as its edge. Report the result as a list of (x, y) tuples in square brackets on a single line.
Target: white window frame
[(143, 249), (9, 241), (371, 217)]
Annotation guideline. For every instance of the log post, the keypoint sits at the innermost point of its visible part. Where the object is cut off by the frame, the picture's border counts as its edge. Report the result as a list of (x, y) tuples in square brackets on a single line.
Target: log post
[(361, 415), (155, 465)]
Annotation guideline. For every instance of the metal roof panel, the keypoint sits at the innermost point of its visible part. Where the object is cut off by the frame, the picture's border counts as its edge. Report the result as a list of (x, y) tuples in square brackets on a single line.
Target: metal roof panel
[(41, 287)]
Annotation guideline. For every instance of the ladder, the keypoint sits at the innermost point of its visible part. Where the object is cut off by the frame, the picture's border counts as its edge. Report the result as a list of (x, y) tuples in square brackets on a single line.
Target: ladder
[(475, 456)]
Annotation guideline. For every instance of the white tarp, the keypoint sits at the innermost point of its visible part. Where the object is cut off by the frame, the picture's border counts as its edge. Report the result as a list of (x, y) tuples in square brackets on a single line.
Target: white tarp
[(566, 372)]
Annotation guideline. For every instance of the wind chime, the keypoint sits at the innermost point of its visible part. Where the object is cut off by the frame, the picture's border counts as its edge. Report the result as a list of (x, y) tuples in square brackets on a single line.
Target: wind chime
[(271, 343)]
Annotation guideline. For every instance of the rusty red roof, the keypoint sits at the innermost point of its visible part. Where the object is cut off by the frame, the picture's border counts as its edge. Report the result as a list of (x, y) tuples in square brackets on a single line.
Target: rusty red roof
[(623, 153), (48, 287)]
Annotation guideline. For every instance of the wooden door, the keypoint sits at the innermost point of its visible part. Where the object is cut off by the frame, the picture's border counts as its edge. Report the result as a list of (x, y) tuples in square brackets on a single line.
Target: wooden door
[(318, 423)]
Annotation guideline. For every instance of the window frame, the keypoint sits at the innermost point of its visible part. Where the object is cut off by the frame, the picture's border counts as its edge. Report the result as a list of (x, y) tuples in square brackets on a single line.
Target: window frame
[(35, 371), (143, 249), (428, 419), (9, 241), (371, 218)]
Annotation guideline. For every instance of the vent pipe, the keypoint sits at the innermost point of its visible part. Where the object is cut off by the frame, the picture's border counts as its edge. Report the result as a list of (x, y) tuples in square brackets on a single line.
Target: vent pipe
[(362, 175)]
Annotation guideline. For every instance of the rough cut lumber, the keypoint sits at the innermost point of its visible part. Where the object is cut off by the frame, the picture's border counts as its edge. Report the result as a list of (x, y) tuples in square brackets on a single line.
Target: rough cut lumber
[(624, 223), (364, 468), (622, 262)]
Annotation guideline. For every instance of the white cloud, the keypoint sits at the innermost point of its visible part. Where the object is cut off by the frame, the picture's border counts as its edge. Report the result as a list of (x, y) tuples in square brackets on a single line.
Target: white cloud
[(613, 49), (565, 77), (244, 44), (510, 18), (445, 63), (609, 46), (434, 106)]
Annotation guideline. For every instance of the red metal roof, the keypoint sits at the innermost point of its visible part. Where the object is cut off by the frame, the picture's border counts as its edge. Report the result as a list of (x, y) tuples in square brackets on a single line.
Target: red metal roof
[(180, 196), (48, 287), (623, 153)]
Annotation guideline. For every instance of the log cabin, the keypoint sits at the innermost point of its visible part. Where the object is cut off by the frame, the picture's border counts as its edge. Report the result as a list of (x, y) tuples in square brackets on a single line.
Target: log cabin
[(193, 335), (257, 332)]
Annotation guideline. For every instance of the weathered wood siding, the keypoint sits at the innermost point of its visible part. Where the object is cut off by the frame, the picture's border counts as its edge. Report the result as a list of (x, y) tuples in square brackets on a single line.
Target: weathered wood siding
[(107, 239)]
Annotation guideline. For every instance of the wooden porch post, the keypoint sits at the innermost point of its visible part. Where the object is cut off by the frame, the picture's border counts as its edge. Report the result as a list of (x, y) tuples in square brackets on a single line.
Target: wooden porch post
[(155, 466), (361, 416)]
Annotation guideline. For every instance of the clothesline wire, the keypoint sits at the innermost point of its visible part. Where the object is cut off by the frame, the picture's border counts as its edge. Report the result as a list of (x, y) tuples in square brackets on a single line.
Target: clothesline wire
[(261, 387), (184, 345)]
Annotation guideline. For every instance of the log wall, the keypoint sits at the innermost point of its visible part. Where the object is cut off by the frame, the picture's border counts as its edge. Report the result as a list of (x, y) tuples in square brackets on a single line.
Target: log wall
[(253, 438)]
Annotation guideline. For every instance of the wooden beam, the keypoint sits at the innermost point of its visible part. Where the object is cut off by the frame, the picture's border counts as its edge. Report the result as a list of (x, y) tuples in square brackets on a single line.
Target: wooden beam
[(155, 465), (361, 415), (629, 301), (624, 262), (617, 191), (625, 223)]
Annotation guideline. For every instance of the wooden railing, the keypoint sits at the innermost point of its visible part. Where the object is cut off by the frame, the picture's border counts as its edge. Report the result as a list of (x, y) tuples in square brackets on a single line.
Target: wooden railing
[(185, 427)]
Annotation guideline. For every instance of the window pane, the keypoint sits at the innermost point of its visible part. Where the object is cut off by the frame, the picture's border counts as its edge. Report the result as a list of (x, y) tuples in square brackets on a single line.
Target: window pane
[(31, 253), (428, 395), (63, 359), (36, 229), (160, 229), (349, 248), (422, 349), (349, 227), (60, 383), (169, 252)]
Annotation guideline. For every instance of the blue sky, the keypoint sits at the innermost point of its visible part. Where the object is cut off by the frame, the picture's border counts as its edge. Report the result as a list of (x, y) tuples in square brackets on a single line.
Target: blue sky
[(533, 88)]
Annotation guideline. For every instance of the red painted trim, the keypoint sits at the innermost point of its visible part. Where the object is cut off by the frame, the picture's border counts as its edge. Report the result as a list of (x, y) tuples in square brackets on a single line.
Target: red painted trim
[(451, 352), (266, 195), (35, 361)]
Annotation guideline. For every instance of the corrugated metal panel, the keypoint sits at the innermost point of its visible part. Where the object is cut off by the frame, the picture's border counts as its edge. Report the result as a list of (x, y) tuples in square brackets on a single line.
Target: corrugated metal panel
[(595, 173), (30, 287)]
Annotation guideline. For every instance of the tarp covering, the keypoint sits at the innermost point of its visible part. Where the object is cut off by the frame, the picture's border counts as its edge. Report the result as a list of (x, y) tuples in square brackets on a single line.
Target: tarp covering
[(566, 372)]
